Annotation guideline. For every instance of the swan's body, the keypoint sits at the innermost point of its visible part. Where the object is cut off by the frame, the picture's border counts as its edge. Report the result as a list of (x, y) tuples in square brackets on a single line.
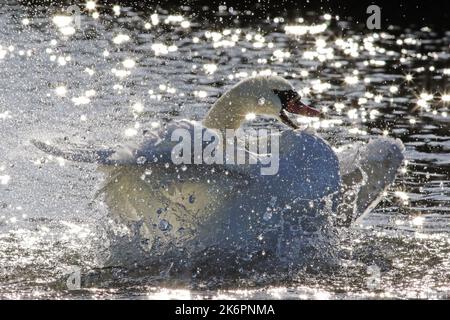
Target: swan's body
[(288, 215)]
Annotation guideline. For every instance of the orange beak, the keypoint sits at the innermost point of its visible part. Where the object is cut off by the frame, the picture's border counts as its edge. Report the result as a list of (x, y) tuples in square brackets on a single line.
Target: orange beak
[(297, 107)]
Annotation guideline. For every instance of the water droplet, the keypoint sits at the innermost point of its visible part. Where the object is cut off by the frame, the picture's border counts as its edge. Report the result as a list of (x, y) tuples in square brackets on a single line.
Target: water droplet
[(261, 101), (141, 160), (267, 215), (164, 225), (273, 200)]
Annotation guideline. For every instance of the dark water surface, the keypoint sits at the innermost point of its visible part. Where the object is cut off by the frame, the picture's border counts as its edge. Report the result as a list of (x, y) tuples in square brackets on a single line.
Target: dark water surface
[(115, 76)]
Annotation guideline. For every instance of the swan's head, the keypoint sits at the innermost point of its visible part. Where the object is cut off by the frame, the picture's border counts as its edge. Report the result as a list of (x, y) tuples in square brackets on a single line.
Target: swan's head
[(261, 95), (274, 96), (285, 99)]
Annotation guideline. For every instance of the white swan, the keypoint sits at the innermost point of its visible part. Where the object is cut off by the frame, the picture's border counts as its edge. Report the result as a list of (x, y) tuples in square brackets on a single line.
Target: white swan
[(289, 216)]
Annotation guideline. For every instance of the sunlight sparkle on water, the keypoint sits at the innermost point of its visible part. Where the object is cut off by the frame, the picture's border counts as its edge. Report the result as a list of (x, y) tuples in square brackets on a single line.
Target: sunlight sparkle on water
[(138, 107), (352, 114), (154, 19), (378, 98), (64, 24), (173, 19), (120, 73), (402, 196), (62, 61), (299, 30), (280, 54), (5, 115), (90, 5), (426, 96), (185, 24), (118, 87), (90, 93), (61, 91), (116, 10), (351, 80), (128, 63), (418, 221), (89, 71), (210, 68), (319, 86), (422, 103), (357, 131), (445, 98), (82, 100), (130, 132), (2, 53), (4, 180), (200, 94), (121, 38), (393, 89), (162, 49), (166, 294), (339, 106), (62, 21)]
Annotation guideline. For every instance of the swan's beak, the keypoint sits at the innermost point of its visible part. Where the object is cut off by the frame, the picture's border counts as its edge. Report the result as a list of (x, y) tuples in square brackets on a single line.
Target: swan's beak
[(297, 107)]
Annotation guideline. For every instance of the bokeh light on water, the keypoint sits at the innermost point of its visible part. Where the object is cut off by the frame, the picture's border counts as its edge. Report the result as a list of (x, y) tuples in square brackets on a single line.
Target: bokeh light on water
[(122, 71)]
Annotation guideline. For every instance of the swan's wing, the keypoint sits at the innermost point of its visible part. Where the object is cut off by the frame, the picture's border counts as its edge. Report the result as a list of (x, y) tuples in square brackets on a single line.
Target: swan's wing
[(170, 206), (349, 159), (157, 146), (366, 171), (156, 149), (75, 152)]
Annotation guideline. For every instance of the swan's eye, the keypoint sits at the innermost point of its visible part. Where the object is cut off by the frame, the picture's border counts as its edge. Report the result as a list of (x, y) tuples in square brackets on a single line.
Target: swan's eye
[(286, 96)]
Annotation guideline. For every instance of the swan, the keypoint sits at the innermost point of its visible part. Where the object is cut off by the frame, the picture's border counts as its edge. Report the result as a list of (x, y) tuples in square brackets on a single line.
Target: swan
[(289, 216)]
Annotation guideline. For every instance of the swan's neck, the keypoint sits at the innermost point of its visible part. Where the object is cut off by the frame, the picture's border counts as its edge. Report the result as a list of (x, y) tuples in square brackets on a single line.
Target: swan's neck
[(229, 111)]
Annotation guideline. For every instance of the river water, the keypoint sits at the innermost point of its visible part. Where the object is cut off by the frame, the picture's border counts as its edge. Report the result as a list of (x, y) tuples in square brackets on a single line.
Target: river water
[(104, 80)]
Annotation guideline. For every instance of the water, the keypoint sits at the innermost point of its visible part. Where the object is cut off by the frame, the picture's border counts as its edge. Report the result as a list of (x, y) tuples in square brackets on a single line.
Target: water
[(119, 75)]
